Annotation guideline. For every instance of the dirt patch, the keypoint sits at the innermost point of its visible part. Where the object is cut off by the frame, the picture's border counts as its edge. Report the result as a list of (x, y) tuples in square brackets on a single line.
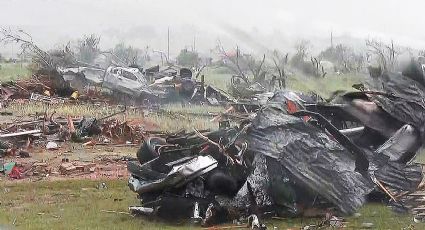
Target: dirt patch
[(71, 161)]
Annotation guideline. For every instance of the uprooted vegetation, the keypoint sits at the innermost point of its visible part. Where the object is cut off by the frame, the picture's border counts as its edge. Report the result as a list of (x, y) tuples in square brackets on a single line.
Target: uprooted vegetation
[(252, 75)]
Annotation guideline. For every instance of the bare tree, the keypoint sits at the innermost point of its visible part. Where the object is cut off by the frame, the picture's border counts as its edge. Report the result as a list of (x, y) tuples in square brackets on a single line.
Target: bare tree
[(88, 48), (386, 54), (242, 63), (343, 57), (318, 69), (312, 67), (250, 72), (28, 47), (256, 68), (280, 61), (302, 49), (359, 61), (127, 55), (232, 61), (64, 57)]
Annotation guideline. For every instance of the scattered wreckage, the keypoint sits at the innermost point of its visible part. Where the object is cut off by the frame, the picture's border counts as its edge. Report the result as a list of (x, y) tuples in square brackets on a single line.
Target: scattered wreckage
[(20, 138), (127, 81), (131, 85), (120, 85), (291, 156)]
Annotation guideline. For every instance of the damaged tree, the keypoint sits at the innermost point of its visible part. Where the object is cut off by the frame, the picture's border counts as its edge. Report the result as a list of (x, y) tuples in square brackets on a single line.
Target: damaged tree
[(280, 61), (232, 61), (386, 54), (343, 57), (313, 67), (38, 56), (318, 69), (88, 48), (243, 85)]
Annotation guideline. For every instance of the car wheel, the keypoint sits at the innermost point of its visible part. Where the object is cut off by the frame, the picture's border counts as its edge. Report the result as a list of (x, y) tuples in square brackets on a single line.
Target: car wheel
[(148, 151)]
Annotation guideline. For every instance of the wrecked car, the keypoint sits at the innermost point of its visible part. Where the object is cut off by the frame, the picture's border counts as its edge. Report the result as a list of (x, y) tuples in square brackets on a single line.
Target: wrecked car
[(128, 82)]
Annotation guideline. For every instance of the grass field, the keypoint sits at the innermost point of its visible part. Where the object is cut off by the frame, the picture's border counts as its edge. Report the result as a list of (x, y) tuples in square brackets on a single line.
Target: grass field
[(11, 71), (77, 204)]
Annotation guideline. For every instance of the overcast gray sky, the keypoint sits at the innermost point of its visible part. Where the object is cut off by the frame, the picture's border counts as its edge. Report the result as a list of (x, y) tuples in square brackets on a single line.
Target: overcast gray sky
[(252, 24)]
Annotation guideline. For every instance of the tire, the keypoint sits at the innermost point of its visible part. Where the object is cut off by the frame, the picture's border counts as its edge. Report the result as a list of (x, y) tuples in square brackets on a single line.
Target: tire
[(147, 150)]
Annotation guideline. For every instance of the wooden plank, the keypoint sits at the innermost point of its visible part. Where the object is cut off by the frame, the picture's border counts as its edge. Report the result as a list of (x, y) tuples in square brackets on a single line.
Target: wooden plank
[(21, 133)]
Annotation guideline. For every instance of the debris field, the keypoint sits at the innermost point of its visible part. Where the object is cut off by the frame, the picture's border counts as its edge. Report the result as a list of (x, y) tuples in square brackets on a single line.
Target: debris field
[(276, 153)]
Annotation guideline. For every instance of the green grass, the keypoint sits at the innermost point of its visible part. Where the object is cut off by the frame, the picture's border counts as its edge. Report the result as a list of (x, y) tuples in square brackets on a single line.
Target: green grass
[(170, 118), (176, 117), (73, 204), (324, 86), (192, 109), (78, 204), (11, 71), (219, 80)]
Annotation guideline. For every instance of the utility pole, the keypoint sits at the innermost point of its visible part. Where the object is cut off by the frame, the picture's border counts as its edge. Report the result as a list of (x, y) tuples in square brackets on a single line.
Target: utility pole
[(168, 45), (194, 44), (332, 40)]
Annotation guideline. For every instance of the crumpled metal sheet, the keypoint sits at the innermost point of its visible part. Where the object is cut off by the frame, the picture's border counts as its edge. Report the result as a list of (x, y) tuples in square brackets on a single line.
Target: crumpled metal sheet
[(407, 105), (259, 180), (402, 145), (312, 158), (178, 175), (400, 176), (266, 187)]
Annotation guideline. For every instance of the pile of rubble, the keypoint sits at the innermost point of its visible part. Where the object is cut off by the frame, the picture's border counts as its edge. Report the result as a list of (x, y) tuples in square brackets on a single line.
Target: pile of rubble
[(61, 73), (55, 134), (291, 155), (114, 85)]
